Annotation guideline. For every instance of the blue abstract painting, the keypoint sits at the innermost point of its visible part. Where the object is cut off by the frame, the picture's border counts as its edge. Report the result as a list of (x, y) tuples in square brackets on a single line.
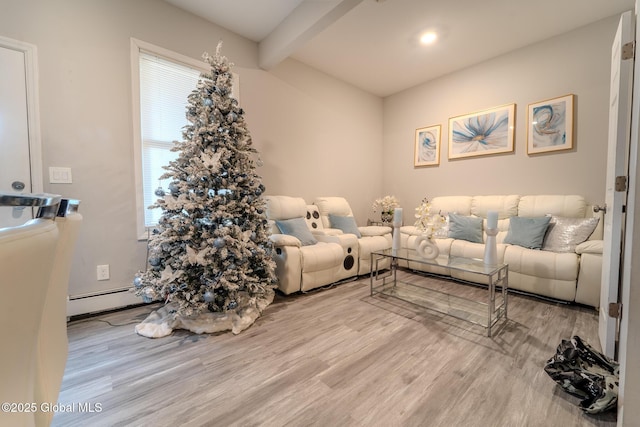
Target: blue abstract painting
[(486, 132), (550, 125), (427, 146)]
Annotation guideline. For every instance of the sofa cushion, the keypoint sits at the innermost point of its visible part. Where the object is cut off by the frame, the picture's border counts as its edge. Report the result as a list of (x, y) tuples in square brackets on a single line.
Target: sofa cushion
[(527, 232), (297, 227), (460, 205), (506, 206), (334, 205), (345, 223), (541, 205), (467, 228), (284, 207), (313, 219), (564, 234), (544, 273)]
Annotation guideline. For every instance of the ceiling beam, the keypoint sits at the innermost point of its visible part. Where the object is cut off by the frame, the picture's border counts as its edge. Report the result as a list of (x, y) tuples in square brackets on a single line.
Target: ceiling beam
[(306, 21)]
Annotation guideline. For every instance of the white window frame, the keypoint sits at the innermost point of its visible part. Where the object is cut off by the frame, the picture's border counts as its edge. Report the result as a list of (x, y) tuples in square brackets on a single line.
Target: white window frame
[(138, 46)]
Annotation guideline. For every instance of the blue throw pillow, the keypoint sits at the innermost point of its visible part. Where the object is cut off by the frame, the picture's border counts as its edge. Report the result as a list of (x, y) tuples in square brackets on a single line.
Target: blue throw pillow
[(527, 232), (345, 223), (297, 227), (467, 228)]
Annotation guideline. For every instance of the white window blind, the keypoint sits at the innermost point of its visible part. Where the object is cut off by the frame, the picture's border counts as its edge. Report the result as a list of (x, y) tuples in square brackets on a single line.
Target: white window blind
[(164, 87)]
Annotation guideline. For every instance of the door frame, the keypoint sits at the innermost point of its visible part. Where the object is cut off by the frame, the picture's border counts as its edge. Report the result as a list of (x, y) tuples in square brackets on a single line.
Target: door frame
[(33, 109)]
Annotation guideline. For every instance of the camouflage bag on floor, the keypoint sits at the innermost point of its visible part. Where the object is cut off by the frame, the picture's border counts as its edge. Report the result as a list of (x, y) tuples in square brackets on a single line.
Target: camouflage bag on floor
[(586, 373)]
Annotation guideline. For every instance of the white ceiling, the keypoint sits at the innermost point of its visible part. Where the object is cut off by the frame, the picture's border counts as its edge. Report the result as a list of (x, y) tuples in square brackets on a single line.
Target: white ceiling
[(373, 44)]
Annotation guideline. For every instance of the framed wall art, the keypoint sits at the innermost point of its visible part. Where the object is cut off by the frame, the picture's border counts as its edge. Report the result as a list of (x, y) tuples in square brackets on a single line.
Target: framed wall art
[(550, 125), (485, 132), (427, 146)]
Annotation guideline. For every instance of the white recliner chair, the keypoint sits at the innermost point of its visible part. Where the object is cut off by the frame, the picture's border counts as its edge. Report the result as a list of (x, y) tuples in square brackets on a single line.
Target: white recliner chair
[(372, 238), (307, 258), (27, 255)]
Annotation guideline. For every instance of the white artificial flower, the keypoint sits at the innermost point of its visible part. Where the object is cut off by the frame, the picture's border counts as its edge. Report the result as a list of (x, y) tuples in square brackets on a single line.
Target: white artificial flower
[(427, 222), (385, 204)]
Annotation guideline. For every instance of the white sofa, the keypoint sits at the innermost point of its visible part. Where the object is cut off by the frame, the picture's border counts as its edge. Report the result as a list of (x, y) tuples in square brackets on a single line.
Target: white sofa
[(572, 275)]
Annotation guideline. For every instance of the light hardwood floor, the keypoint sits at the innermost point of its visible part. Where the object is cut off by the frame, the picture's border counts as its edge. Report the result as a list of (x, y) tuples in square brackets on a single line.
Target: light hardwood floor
[(337, 357)]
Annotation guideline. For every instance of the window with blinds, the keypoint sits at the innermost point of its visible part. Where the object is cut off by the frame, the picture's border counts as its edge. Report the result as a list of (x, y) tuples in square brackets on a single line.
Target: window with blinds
[(164, 87)]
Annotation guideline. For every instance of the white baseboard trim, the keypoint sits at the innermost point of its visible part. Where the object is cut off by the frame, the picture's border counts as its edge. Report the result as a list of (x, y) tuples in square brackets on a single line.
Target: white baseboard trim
[(101, 302)]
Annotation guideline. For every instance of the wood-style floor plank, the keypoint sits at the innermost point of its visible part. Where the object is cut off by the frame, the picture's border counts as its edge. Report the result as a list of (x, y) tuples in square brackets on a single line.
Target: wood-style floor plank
[(336, 357)]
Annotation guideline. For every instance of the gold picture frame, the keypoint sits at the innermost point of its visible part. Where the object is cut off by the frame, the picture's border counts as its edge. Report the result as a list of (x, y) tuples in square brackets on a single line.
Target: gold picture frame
[(482, 133), (550, 125), (426, 150)]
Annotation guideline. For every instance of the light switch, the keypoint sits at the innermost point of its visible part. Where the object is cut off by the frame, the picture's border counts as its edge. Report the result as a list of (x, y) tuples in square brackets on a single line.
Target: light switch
[(59, 175)]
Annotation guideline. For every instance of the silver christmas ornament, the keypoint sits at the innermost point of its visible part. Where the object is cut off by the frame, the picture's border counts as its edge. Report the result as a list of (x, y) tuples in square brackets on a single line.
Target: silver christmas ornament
[(209, 296)]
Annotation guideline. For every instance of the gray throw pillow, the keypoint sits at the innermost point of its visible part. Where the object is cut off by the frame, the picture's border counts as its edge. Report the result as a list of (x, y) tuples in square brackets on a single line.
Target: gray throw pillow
[(297, 227), (564, 234), (527, 232), (345, 223), (467, 228)]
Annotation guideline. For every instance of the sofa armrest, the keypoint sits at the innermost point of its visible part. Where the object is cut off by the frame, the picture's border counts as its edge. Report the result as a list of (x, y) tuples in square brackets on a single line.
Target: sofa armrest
[(374, 230), (410, 230), (343, 240), (280, 240), (590, 247), (589, 279)]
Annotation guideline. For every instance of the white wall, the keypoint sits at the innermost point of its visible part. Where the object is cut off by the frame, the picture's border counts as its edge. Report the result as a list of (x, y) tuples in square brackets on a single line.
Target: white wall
[(317, 136), (576, 62), (310, 128)]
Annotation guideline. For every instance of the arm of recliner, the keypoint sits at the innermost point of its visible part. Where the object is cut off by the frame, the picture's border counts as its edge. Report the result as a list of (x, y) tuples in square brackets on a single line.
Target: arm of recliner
[(343, 240), (590, 247), (410, 230), (374, 230), (280, 240), (590, 273)]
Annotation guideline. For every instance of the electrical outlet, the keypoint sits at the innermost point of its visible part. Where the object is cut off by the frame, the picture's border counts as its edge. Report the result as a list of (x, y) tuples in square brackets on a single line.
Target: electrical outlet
[(103, 272)]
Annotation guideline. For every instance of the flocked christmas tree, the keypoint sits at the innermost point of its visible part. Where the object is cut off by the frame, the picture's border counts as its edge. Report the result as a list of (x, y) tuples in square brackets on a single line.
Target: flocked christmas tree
[(210, 254)]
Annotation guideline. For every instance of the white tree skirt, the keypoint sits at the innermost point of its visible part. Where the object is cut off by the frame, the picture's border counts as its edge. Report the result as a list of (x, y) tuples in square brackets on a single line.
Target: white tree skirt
[(163, 321)]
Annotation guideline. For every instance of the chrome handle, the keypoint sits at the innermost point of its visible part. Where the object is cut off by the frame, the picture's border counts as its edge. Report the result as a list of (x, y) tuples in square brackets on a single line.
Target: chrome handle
[(28, 200), (600, 208)]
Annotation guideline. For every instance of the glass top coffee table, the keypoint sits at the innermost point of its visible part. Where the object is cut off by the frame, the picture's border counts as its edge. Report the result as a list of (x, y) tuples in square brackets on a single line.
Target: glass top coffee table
[(409, 285)]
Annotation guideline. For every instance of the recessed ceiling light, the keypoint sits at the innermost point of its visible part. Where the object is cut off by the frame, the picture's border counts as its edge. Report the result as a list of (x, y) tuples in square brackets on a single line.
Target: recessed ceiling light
[(428, 37)]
